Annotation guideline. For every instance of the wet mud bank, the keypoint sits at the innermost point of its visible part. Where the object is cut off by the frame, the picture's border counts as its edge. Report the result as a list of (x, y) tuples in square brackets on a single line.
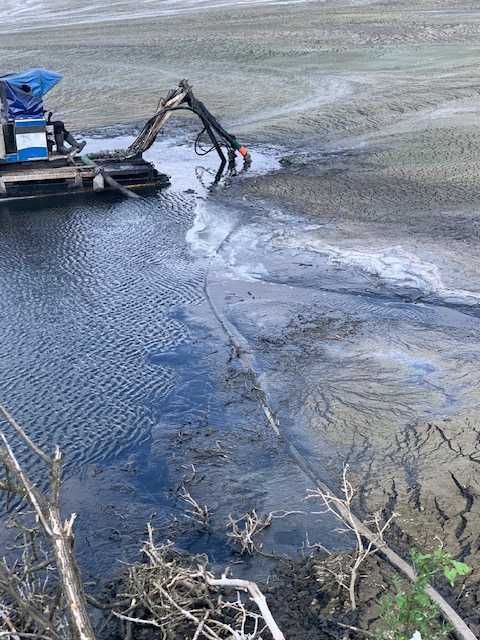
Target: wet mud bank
[(369, 359), (411, 261)]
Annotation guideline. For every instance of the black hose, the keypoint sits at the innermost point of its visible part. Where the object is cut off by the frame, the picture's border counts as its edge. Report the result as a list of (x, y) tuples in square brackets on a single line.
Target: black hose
[(201, 152)]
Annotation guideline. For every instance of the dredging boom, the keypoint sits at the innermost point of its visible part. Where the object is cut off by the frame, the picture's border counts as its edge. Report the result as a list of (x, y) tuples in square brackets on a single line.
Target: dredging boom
[(182, 98)]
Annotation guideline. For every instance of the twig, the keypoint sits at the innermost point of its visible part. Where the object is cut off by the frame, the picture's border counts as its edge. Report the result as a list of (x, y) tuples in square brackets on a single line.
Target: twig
[(37, 502), (151, 623), (256, 595), (23, 436), (16, 634), (105, 606), (342, 510), (198, 512), (200, 626), (9, 586), (350, 627), (244, 529), (173, 593)]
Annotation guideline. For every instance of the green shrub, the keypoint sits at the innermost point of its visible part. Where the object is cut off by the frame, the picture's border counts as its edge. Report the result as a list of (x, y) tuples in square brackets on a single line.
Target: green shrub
[(411, 609)]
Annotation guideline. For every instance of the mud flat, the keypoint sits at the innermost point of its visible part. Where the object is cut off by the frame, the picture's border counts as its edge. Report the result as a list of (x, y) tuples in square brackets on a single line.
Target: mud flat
[(324, 68)]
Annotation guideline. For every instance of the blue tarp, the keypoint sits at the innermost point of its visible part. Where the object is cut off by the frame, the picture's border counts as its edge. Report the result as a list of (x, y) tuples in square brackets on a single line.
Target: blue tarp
[(40, 81), (22, 93)]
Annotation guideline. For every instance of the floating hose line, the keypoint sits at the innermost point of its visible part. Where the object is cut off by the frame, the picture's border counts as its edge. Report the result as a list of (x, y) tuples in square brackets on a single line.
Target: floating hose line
[(247, 359)]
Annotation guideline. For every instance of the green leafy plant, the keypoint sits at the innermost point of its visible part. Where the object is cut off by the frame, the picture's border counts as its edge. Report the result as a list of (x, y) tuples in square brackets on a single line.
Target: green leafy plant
[(410, 609)]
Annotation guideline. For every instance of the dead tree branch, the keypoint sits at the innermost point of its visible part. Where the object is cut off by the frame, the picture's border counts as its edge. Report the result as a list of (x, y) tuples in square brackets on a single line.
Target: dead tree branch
[(257, 597), (341, 508), (58, 535), (459, 626), (44, 595), (198, 513), (177, 595), (243, 530)]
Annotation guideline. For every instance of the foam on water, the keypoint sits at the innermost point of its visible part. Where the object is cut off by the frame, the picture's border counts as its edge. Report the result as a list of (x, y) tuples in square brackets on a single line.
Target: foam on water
[(255, 246), (393, 266), (209, 229)]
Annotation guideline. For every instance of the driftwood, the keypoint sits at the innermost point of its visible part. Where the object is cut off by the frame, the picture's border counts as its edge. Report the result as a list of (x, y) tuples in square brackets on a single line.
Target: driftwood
[(59, 535), (243, 530), (257, 597), (178, 596), (341, 508), (198, 513)]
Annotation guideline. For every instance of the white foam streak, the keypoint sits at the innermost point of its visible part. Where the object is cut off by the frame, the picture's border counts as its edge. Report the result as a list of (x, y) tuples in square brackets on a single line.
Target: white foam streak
[(18, 16), (210, 228), (392, 266)]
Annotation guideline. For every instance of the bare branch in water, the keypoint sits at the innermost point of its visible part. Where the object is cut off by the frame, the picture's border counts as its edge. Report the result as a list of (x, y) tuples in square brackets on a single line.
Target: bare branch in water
[(243, 530), (341, 508), (199, 513), (58, 537)]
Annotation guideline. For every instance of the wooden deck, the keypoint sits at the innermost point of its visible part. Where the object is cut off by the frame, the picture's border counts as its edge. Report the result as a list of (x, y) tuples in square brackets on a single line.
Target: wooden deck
[(61, 174)]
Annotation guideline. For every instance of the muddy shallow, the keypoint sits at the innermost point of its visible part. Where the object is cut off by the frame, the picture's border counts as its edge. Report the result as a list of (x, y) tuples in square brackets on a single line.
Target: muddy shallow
[(349, 269)]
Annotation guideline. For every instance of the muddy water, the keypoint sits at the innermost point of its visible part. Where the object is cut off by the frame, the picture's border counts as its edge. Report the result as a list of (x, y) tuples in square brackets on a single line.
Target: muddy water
[(107, 353), (112, 352), (342, 314), (351, 270), (42, 14)]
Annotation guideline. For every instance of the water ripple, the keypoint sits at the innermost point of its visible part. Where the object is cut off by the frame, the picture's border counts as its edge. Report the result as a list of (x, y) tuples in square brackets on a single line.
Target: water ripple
[(88, 293)]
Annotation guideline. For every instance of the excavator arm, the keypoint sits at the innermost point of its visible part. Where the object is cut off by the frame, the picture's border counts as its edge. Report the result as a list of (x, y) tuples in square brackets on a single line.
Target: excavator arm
[(182, 98)]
